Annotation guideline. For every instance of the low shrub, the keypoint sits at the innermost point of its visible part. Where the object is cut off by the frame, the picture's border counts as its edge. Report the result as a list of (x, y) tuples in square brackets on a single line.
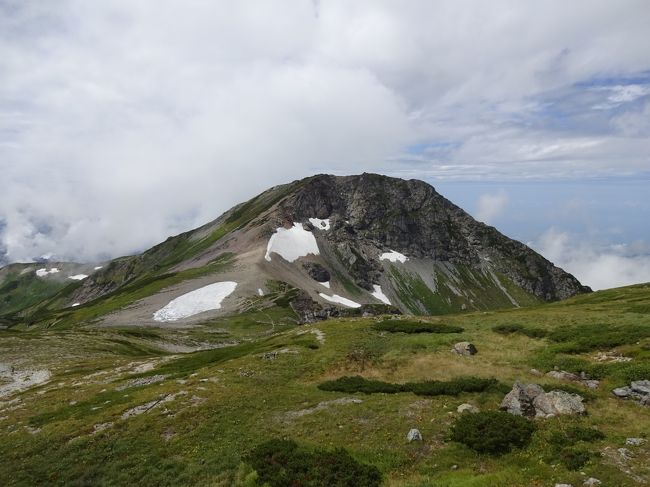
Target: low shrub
[(492, 432), (412, 326), (560, 439), (574, 458), (281, 463), (360, 384), (427, 388), (585, 338), (510, 328), (452, 387)]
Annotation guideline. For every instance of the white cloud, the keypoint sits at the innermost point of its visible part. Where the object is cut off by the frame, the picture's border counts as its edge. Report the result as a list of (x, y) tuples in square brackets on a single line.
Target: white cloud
[(593, 265), (490, 206), (122, 122)]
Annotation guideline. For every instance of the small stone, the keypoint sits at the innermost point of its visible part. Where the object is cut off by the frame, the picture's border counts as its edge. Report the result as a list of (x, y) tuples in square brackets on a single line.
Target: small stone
[(635, 441), (591, 482), (464, 348), (414, 435), (622, 392), (536, 372), (563, 485), (467, 408)]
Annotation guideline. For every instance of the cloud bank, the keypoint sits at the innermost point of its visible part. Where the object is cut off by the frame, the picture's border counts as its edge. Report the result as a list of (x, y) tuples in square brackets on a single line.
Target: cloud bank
[(122, 122)]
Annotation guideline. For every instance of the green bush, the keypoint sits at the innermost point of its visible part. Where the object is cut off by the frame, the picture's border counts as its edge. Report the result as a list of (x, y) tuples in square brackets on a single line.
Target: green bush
[(359, 384), (574, 458), (585, 338), (452, 387), (412, 326), (509, 329), (492, 432), (560, 439), (281, 463), (426, 388)]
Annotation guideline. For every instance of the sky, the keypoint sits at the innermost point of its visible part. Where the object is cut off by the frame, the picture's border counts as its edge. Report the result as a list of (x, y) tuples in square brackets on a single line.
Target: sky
[(125, 121)]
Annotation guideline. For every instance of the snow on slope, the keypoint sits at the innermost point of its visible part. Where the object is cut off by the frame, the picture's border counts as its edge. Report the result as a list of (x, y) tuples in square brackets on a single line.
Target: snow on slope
[(292, 243), (340, 300), (44, 272), (379, 294), (393, 257), (320, 224), (195, 302), (78, 277)]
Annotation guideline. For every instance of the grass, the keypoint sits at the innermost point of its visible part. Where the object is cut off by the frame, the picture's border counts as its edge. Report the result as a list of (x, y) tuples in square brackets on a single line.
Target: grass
[(228, 401)]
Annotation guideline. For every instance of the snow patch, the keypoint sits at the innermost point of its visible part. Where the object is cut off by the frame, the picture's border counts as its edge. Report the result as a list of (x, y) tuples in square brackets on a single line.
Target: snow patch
[(44, 272), (320, 224), (379, 294), (203, 299), (292, 243), (393, 256), (75, 304), (326, 284), (78, 277), (98, 267), (260, 292), (335, 298)]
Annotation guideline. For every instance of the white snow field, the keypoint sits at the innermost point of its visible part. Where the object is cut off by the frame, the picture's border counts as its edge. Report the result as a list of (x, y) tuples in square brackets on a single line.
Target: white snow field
[(195, 302), (78, 277), (326, 284), (44, 272), (260, 292), (292, 243), (74, 305), (379, 294), (335, 298), (393, 257), (320, 224)]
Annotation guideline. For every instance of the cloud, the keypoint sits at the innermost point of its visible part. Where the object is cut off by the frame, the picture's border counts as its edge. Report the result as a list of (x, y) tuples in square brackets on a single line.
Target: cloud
[(490, 206), (600, 267), (123, 122)]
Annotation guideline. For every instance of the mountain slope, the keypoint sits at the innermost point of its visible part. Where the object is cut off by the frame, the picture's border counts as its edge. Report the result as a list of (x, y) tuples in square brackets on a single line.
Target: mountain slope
[(342, 241)]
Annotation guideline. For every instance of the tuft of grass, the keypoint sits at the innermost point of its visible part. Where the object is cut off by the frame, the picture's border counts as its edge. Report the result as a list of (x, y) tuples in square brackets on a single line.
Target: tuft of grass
[(511, 328)]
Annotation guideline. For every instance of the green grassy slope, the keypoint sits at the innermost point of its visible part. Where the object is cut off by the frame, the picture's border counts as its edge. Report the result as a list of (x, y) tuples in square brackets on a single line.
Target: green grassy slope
[(215, 406)]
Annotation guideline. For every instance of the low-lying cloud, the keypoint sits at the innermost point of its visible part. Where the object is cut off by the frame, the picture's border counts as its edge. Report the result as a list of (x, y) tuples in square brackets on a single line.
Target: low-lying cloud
[(600, 267), (490, 206)]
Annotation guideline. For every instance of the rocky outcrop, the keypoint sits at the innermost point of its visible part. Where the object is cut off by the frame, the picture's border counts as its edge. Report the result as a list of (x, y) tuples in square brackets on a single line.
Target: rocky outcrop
[(531, 401), (637, 390), (581, 379)]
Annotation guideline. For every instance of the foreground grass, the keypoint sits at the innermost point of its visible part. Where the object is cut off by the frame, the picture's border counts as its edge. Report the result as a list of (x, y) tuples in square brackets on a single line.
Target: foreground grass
[(224, 402)]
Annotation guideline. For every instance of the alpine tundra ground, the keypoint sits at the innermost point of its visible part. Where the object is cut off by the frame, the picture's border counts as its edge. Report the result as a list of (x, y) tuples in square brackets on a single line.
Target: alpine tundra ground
[(117, 406)]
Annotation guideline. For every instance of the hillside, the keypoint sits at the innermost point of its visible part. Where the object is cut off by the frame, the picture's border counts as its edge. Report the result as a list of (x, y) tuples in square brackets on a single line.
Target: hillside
[(368, 243), (124, 405)]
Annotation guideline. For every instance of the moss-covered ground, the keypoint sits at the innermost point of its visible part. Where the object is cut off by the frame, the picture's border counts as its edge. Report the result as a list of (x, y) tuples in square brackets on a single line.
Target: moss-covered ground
[(120, 410)]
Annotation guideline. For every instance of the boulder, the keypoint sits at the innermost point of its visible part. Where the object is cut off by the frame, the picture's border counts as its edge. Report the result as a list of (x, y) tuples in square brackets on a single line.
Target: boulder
[(531, 401), (555, 403), (464, 348), (414, 435), (638, 390), (579, 379), (622, 392), (467, 408), (641, 387), (635, 441), (519, 401), (592, 482)]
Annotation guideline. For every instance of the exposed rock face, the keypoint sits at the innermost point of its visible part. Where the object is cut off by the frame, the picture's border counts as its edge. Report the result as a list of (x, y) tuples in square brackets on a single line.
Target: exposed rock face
[(317, 272), (530, 400), (464, 348), (372, 211)]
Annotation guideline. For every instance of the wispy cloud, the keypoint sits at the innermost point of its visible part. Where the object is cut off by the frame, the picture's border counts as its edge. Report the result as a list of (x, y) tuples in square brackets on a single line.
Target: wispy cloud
[(490, 206)]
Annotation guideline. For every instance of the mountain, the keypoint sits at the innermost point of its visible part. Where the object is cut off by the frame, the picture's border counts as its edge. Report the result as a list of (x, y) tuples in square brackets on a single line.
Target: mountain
[(328, 246)]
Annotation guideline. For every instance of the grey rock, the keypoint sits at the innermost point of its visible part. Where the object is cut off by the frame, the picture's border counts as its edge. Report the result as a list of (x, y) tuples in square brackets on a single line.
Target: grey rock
[(563, 375), (414, 435), (316, 271), (465, 348), (467, 408), (635, 441), (563, 485), (641, 387), (592, 482), (622, 392), (530, 400)]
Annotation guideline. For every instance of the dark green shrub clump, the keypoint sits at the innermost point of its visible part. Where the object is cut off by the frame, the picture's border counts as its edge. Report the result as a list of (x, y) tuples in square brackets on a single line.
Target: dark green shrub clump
[(585, 338), (452, 387), (564, 449), (574, 458), (509, 329), (492, 432), (359, 384), (281, 463), (426, 388), (412, 326)]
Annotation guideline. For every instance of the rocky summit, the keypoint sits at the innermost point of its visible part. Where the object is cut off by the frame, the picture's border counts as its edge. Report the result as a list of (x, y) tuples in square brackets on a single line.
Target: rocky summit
[(332, 246)]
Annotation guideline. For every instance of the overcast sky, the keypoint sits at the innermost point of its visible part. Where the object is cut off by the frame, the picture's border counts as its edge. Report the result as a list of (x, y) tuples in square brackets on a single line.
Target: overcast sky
[(125, 121)]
